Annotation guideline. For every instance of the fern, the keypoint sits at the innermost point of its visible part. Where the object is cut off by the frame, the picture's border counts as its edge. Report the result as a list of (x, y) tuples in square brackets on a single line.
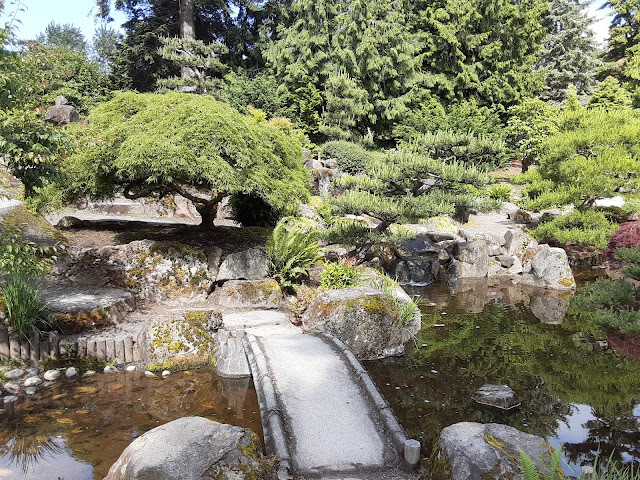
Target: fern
[(527, 467), (291, 253)]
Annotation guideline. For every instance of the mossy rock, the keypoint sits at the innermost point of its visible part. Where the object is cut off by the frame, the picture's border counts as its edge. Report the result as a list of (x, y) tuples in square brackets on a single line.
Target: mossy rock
[(263, 294), (185, 338), (365, 319), (32, 227)]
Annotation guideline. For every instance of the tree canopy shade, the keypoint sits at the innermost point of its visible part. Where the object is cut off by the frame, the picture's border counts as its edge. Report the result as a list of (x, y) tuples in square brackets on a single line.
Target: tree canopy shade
[(145, 145)]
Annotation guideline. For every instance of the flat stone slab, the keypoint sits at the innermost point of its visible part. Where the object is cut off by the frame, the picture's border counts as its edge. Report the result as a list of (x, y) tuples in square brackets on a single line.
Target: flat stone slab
[(76, 299), (254, 318), (331, 425)]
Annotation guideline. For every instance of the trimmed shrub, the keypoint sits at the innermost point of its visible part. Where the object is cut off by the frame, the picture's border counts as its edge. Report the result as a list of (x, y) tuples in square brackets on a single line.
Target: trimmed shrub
[(583, 228), (342, 274), (352, 158)]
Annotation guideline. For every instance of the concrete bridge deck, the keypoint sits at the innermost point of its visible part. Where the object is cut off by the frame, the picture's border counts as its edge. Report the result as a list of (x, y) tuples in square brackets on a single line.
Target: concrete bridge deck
[(321, 414)]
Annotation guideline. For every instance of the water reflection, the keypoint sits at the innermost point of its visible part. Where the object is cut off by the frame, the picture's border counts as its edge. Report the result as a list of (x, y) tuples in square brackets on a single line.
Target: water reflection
[(78, 428), (483, 333)]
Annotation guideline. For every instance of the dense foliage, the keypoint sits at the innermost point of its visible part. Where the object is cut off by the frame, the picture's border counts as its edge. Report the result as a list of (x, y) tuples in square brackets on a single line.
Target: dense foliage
[(594, 155), (291, 252), (153, 145)]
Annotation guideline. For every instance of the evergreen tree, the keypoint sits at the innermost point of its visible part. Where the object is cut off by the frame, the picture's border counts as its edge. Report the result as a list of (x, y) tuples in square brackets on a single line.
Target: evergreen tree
[(610, 94), (624, 31), (480, 49), (358, 55), (149, 21), (569, 55)]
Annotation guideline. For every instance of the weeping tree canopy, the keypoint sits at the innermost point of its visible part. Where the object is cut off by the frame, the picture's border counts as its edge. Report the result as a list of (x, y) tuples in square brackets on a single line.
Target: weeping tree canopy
[(153, 145)]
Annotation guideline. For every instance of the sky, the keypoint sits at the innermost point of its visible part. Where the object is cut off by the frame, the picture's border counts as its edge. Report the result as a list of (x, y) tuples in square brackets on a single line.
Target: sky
[(39, 13), (81, 13)]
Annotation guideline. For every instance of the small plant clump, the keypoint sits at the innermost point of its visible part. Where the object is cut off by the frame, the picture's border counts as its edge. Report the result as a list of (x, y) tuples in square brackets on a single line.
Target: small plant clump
[(341, 274), (500, 192)]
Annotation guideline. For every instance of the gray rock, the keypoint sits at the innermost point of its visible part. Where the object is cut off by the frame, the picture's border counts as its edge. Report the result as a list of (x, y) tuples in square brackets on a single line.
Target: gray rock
[(418, 270), (11, 387), (110, 369), (263, 294), (365, 319), (184, 450), (248, 265), (231, 359), (147, 373), (517, 242), (178, 334), (10, 399), (88, 373), (476, 451), (549, 269), (31, 390), (504, 265), (130, 368), (13, 374), (52, 375), (33, 371), (520, 216), (32, 382), (499, 396), (337, 251), (71, 372), (165, 373), (62, 114), (60, 100), (214, 257), (471, 259)]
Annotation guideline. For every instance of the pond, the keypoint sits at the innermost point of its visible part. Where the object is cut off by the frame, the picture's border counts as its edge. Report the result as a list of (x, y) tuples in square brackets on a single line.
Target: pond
[(76, 429), (572, 393)]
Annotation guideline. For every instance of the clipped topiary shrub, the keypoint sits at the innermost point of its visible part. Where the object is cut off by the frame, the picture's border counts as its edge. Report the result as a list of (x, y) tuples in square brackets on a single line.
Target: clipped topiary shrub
[(352, 158), (583, 228)]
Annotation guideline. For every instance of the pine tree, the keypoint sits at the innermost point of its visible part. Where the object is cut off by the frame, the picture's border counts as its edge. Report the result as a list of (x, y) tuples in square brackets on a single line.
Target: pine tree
[(480, 49), (610, 94), (569, 55)]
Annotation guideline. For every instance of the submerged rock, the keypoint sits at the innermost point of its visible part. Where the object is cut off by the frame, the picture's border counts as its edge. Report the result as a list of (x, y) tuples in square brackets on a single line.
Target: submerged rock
[(476, 451), (190, 448), (498, 396)]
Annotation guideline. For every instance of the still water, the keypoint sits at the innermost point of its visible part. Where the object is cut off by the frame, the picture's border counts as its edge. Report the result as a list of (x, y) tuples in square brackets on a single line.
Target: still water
[(76, 429), (572, 392)]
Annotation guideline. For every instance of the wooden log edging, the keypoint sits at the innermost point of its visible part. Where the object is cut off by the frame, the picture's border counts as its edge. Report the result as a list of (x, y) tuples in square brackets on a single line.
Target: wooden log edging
[(120, 349), (398, 436), (275, 439)]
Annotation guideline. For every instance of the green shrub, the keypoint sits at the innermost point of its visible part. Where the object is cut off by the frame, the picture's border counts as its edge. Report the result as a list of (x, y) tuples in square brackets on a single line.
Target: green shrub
[(500, 192), (351, 157), (584, 228), (291, 253), (340, 274), (28, 314), (19, 257), (632, 256)]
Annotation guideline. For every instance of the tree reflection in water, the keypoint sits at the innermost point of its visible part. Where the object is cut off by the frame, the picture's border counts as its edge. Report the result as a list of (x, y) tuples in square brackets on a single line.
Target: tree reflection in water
[(551, 367)]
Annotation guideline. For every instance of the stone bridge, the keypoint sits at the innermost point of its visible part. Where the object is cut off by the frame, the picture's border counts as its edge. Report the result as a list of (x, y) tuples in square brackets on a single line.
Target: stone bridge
[(322, 415)]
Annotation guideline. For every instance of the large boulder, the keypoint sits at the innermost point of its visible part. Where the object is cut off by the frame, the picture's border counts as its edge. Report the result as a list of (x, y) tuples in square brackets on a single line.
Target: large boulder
[(548, 267), (264, 293), (180, 338), (417, 270), (61, 114), (148, 267), (470, 260), (517, 242), (190, 448), (476, 451), (365, 319), (247, 265)]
